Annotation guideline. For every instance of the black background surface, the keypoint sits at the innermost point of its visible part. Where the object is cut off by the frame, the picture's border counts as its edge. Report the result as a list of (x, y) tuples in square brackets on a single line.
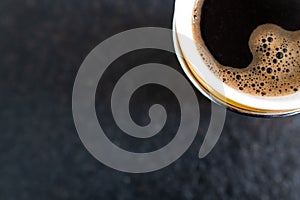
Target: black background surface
[(42, 45)]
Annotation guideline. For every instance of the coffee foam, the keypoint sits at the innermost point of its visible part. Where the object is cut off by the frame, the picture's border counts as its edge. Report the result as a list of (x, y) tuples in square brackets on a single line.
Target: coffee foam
[(275, 68)]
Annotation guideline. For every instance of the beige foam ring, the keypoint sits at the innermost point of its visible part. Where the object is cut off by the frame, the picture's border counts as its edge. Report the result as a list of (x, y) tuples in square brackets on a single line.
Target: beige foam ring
[(275, 68)]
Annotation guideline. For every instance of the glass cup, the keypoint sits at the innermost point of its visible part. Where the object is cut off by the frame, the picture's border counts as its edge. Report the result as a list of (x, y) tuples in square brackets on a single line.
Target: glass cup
[(211, 86)]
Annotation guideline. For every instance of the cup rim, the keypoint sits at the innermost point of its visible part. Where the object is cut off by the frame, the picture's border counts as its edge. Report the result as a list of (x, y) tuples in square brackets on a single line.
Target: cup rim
[(183, 26)]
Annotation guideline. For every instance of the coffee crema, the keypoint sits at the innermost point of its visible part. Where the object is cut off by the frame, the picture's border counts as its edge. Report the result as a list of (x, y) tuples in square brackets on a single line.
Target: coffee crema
[(275, 66)]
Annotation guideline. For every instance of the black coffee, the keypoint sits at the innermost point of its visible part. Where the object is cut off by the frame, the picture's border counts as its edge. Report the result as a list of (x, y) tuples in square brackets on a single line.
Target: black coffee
[(226, 25), (251, 45)]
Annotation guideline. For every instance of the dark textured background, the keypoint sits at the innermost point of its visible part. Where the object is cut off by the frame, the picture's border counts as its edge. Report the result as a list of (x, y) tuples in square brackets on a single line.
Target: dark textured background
[(42, 44)]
